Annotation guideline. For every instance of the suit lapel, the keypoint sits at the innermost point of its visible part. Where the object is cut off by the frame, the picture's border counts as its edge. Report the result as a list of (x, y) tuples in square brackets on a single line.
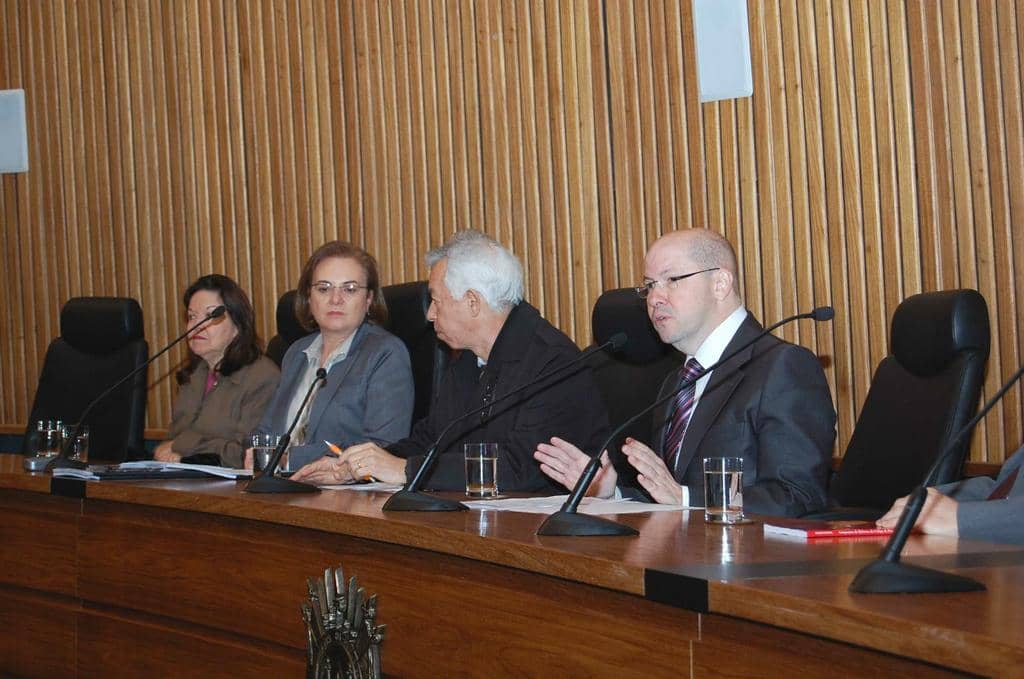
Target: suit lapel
[(715, 396), (723, 382), (334, 380)]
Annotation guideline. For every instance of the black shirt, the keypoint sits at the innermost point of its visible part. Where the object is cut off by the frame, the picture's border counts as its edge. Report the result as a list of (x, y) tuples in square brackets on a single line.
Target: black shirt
[(567, 405)]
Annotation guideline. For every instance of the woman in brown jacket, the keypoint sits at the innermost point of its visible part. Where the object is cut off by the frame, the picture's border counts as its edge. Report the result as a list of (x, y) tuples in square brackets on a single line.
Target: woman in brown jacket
[(226, 383)]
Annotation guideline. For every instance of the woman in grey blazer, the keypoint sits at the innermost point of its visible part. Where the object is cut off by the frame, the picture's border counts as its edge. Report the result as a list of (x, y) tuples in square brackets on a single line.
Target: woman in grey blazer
[(368, 394)]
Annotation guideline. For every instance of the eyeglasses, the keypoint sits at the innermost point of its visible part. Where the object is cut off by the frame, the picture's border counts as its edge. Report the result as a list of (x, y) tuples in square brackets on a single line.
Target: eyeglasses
[(669, 283), (348, 289)]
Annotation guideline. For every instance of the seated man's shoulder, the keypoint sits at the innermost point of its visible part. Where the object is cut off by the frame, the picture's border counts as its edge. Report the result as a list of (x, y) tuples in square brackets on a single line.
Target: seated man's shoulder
[(550, 336), (781, 355), (541, 330)]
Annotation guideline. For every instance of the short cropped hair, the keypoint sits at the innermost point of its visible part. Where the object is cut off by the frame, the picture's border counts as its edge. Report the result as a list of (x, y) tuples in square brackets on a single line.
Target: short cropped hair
[(710, 249), (378, 312), (478, 262)]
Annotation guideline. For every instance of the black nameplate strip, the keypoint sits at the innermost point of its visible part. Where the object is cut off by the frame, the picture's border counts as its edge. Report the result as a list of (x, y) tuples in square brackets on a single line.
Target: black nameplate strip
[(66, 487), (687, 586), (676, 590), (786, 569)]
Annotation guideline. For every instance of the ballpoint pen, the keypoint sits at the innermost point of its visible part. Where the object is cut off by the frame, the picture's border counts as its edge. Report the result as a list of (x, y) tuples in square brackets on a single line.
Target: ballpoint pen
[(335, 451)]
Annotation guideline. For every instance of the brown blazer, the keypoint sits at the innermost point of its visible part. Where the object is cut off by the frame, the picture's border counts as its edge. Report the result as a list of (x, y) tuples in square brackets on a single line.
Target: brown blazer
[(220, 422)]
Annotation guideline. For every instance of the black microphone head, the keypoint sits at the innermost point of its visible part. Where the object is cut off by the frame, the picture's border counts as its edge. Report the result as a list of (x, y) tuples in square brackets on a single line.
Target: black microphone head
[(617, 341), (823, 313), (321, 374), (217, 312)]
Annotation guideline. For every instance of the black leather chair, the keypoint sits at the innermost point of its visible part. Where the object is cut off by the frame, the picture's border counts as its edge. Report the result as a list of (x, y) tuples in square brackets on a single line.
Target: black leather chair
[(101, 340), (288, 328), (921, 395), (407, 319), (631, 378)]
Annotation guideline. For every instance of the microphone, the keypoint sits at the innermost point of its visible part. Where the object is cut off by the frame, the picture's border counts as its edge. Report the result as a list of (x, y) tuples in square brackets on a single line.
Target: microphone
[(63, 460), (568, 521), (266, 482), (887, 574), (410, 499)]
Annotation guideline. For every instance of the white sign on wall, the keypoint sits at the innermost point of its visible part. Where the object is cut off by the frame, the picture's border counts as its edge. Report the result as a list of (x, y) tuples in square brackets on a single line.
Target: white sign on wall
[(13, 133), (722, 35)]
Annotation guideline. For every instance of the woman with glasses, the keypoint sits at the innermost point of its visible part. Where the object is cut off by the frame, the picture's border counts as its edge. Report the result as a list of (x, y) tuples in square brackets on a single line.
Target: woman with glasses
[(368, 393), (226, 383)]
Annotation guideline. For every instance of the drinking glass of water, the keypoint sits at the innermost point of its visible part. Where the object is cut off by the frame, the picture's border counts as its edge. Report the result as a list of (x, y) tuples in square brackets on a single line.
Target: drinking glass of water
[(481, 469), (723, 489), (80, 448), (49, 437), (263, 447)]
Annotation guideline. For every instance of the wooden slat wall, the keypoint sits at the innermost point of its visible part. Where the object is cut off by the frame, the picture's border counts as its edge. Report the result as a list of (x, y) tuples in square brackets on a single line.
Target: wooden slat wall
[(880, 155)]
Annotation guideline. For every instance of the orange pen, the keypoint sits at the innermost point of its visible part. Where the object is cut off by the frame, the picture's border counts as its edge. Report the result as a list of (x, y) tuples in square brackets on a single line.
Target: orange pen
[(337, 453)]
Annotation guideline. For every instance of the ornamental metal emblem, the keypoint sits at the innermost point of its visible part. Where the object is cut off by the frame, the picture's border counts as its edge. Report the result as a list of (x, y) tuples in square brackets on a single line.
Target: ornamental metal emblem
[(342, 635)]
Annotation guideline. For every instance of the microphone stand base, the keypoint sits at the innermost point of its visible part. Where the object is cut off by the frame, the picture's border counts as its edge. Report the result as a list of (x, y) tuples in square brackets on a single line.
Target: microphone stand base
[(278, 484), (895, 577), (64, 463), (36, 463), (574, 523), (415, 501)]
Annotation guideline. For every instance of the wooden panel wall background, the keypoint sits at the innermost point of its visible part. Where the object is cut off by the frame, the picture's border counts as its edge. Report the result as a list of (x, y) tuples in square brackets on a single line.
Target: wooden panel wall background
[(881, 155)]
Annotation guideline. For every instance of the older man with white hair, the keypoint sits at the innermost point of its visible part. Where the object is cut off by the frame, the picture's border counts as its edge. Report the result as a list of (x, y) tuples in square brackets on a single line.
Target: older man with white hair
[(476, 305)]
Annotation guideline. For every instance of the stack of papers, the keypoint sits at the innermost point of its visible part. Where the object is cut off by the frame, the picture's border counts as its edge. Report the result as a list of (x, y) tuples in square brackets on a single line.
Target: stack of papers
[(378, 486), (151, 469), (589, 505)]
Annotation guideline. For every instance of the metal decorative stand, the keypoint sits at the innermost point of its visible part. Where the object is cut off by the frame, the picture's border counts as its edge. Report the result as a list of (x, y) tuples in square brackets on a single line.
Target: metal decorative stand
[(342, 637)]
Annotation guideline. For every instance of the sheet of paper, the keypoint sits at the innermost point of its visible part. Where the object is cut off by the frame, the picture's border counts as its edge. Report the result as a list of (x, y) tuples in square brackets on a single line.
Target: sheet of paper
[(551, 504), (69, 473), (375, 485), (212, 470)]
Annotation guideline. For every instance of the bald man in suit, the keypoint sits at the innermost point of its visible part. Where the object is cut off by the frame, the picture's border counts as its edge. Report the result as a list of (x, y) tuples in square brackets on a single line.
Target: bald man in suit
[(770, 404)]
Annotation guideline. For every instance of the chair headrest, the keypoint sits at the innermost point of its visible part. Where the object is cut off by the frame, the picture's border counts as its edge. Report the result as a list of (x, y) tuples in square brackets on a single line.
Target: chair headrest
[(100, 325), (622, 310), (407, 306), (930, 329), (287, 324)]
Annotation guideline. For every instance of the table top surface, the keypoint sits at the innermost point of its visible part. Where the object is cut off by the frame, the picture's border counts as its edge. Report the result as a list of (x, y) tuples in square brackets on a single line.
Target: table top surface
[(786, 582)]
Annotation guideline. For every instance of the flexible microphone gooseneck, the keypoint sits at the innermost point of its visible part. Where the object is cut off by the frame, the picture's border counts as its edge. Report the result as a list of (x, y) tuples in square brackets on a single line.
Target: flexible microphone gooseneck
[(887, 574), (63, 460), (267, 482), (568, 521), (411, 499)]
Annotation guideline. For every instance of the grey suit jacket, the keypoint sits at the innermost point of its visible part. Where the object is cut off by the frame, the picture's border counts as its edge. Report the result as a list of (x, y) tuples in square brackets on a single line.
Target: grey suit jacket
[(978, 518), (771, 406), (367, 397)]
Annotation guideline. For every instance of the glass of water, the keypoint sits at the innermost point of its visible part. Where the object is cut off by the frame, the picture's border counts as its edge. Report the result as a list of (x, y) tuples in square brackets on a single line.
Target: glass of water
[(263, 447), (723, 489), (80, 448), (481, 469), (49, 437)]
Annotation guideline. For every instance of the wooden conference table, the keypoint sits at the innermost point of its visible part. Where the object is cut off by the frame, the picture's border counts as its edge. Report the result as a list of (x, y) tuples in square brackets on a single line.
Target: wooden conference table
[(198, 578)]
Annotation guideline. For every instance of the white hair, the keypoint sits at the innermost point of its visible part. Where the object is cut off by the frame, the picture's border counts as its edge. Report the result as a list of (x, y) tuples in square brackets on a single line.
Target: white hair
[(478, 262)]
